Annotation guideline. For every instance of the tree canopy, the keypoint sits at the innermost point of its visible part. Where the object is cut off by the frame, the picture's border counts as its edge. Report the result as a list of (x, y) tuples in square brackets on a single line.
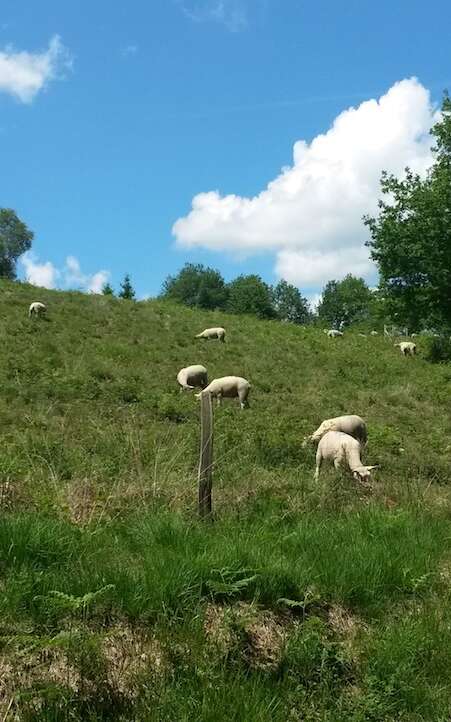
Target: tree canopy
[(289, 305), (345, 302), (107, 289), (411, 238), (196, 285), (15, 239), (250, 294), (127, 291)]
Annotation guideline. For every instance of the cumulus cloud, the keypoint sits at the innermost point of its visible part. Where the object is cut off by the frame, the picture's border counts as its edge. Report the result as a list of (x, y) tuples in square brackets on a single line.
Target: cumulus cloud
[(39, 274), (310, 215), (24, 74), (231, 13), (70, 276)]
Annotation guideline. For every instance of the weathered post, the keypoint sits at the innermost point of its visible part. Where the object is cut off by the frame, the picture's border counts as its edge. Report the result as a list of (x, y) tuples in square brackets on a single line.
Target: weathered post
[(206, 456)]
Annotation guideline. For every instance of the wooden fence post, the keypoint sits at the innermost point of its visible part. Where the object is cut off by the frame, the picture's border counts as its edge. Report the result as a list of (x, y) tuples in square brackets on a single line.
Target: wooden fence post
[(206, 456)]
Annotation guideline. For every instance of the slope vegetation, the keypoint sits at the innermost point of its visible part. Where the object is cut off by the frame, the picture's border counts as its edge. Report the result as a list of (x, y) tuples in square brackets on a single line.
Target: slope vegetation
[(307, 601)]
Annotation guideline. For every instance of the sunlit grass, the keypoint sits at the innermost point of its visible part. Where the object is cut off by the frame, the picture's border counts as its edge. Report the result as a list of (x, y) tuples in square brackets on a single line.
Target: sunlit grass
[(109, 581)]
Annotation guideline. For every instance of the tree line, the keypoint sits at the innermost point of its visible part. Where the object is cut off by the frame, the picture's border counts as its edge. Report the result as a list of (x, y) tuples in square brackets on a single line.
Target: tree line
[(342, 303), (410, 242)]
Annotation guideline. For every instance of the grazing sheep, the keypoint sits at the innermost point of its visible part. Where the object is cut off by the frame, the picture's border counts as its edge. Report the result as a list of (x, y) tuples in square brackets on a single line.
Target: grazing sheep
[(333, 333), (228, 387), (350, 424), (337, 447), (374, 333), (210, 333), (407, 348), (192, 376), (36, 309)]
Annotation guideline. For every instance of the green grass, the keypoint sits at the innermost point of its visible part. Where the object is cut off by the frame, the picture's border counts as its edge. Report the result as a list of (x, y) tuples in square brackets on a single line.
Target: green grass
[(326, 601)]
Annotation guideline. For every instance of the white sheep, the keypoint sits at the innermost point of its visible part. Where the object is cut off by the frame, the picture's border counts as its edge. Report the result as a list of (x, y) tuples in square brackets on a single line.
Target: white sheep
[(337, 447), (374, 333), (228, 387), (192, 377), (350, 424), (407, 348), (210, 333), (333, 333), (36, 309)]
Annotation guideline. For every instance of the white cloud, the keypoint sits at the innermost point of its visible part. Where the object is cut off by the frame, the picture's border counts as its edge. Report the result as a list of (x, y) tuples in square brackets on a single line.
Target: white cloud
[(39, 274), (70, 276), (310, 216), (129, 50), (24, 74), (314, 300), (74, 276), (231, 13), (98, 281)]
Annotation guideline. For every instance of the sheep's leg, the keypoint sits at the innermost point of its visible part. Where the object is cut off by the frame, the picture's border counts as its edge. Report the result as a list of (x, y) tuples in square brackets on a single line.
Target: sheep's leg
[(338, 459), (319, 459), (243, 400), (218, 400)]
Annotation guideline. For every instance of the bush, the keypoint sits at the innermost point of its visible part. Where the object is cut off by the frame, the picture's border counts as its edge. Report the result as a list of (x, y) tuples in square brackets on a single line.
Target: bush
[(437, 349)]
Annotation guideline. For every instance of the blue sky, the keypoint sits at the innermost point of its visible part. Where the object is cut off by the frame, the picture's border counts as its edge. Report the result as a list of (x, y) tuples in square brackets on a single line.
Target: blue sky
[(120, 114)]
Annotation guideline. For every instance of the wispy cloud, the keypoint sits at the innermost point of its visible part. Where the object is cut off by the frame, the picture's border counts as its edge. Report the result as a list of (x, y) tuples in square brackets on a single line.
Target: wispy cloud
[(70, 276), (128, 50), (230, 13), (39, 274), (24, 74), (75, 277)]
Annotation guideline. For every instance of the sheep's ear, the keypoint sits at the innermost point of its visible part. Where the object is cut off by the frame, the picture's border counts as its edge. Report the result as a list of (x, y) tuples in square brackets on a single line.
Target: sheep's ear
[(370, 468)]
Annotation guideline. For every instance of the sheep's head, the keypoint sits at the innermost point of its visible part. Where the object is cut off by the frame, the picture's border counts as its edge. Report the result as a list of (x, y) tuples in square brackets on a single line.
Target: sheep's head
[(363, 473)]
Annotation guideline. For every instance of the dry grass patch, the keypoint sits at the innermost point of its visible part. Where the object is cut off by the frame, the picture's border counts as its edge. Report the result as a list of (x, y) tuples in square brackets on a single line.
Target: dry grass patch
[(254, 634)]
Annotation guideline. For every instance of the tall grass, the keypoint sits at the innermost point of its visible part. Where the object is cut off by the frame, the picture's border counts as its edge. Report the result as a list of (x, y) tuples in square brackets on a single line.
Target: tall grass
[(308, 601)]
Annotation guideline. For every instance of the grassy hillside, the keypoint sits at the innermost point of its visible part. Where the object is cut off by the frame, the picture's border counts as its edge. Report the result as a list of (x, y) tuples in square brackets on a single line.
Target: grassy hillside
[(301, 601)]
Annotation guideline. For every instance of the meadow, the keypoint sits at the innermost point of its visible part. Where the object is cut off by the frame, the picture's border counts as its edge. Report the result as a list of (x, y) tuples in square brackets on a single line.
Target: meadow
[(298, 601)]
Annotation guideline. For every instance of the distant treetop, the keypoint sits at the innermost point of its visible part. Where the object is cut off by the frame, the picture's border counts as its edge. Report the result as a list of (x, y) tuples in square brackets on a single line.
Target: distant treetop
[(127, 291), (15, 239)]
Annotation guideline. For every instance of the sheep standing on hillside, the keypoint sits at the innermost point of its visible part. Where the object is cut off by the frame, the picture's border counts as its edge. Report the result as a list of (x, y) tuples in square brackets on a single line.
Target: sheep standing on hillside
[(407, 348), (337, 447), (333, 333), (228, 387), (192, 377), (36, 309), (210, 333), (350, 424)]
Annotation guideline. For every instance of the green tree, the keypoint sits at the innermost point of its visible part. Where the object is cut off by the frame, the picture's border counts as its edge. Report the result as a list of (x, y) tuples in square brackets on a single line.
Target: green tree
[(15, 239), (345, 302), (289, 305), (107, 289), (411, 238), (250, 294), (196, 285), (127, 291)]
